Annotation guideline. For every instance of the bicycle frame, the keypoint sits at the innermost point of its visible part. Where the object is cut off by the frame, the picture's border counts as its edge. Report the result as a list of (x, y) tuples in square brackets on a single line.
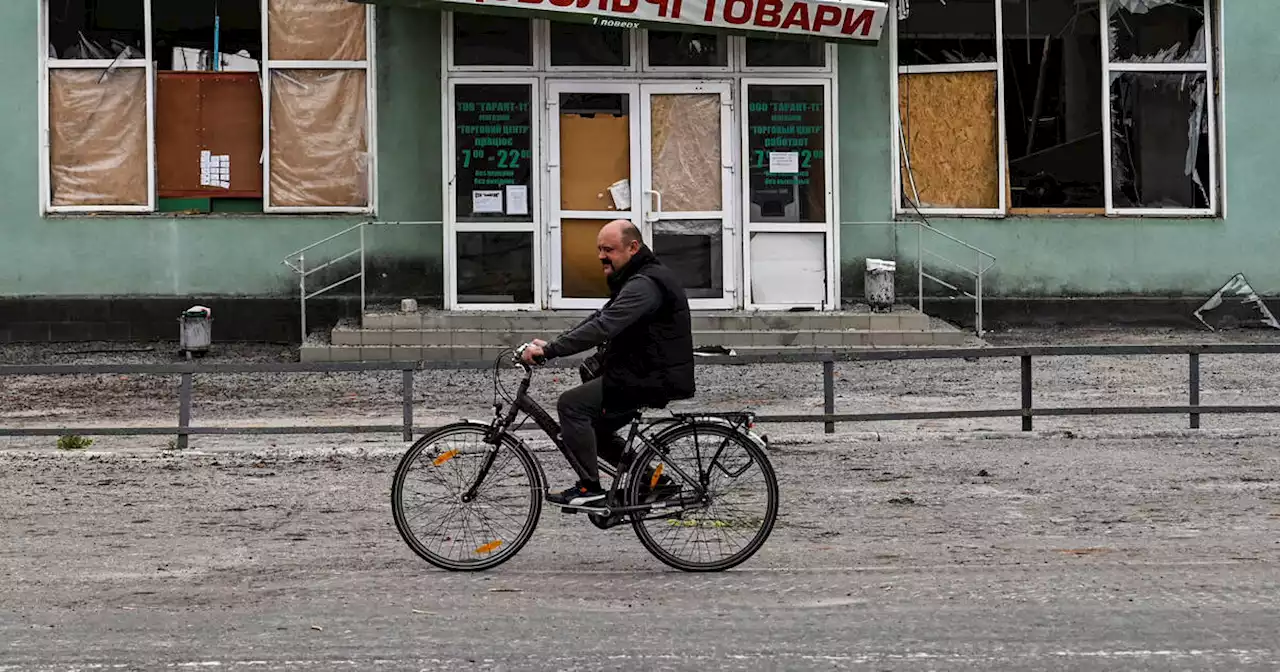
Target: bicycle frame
[(524, 403)]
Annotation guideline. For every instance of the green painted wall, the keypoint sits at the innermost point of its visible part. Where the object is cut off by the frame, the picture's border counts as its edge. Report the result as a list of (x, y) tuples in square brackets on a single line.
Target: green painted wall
[(1088, 256), (225, 254)]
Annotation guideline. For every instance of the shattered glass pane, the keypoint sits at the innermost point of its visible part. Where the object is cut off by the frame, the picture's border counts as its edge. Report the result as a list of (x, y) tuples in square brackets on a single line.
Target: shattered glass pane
[(1053, 104), (682, 49), (1160, 140), (686, 151), (1157, 31), (957, 31)]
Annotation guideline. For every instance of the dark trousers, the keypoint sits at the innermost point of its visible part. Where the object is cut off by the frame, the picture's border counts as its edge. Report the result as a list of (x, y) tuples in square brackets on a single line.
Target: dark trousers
[(589, 434)]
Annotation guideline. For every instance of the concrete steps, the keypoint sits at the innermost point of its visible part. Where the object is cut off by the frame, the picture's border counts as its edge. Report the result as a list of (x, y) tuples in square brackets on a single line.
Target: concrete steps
[(443, 336)]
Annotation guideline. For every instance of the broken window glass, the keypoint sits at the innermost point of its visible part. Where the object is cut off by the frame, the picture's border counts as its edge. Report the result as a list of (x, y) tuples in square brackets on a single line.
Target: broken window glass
[(954, 31), (1157, 31), (1053, 104), (681, 49), (1160, 140), (97, 29)]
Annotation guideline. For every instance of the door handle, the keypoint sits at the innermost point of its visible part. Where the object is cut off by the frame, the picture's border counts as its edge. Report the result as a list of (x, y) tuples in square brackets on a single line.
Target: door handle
[(652, 214)]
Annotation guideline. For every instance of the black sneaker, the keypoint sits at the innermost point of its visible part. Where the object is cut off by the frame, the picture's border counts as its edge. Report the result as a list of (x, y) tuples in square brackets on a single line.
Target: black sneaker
[(582, 494)]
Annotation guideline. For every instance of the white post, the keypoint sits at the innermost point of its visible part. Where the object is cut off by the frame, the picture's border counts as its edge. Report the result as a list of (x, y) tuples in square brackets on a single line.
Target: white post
[(302, 289)]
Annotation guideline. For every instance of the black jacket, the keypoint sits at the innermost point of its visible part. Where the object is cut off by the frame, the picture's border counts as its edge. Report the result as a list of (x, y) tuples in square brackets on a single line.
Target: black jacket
[(647, 333)]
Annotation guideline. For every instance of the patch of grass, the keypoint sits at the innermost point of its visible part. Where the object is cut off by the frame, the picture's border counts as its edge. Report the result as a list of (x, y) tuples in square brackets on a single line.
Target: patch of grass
[(73, 442)]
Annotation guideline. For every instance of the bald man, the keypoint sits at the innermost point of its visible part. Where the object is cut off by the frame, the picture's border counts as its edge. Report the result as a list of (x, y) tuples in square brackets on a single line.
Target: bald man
[(646, 339)]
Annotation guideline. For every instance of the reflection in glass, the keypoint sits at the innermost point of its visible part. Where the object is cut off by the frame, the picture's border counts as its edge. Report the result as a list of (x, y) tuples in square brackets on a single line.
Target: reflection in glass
[(673, 49), (694, 251), (574, 44), (495, 267), (482, 39)]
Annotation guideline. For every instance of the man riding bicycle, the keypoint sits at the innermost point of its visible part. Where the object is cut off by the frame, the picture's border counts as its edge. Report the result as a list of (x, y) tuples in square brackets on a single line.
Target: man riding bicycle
[(645, 334)]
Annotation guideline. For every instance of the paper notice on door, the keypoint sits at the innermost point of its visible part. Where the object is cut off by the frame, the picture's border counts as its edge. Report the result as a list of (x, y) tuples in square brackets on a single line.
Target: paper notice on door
[(621, 192), (486, 202), (215, 170), (784, 163), (517, 199)]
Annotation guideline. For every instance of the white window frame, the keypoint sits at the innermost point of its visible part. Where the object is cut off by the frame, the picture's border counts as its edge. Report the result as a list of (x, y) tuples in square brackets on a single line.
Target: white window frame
[(368, 65), (46, 65), (826, 228), (736, 73), (1215, 108), (45, 159), (1002, 206), (1110, 68), (452, 227)]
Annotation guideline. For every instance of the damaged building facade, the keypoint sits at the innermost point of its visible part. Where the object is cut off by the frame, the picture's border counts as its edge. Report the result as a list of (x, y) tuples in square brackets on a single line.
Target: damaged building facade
[(163, 152)]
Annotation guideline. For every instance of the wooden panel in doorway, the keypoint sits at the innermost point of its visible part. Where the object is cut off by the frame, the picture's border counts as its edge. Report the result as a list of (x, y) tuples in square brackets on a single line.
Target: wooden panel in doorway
[(582, 275), (595, 152)]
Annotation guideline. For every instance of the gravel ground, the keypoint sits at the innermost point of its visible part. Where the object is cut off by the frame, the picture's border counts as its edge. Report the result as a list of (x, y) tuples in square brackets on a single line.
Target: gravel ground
[(441, 396), (1002, 554)]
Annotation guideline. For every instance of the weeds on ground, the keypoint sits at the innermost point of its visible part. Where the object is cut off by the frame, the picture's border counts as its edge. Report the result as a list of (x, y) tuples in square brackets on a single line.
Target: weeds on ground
[(73, 442)]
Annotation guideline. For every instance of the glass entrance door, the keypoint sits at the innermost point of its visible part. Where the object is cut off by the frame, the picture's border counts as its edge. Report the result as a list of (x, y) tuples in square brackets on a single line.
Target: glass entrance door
[(686, 178), (656, 155)]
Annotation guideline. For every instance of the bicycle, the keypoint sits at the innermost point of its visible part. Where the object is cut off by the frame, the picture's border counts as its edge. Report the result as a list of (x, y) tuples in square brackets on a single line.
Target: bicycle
[(650, 486)]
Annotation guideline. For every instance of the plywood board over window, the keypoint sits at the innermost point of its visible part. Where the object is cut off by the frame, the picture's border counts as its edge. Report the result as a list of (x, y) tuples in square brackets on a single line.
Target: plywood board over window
[(950, 129), (98, 137)]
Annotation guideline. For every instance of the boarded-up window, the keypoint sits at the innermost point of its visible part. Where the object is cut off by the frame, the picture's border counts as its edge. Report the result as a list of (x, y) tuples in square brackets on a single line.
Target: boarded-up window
[(950, 134), (98, 137), (320, 155)]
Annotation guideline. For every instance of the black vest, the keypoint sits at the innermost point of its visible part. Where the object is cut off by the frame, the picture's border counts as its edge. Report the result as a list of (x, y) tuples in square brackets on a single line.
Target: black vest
[(651, 362)]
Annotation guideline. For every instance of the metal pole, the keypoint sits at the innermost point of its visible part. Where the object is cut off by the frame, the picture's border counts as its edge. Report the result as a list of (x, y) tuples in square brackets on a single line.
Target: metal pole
[(302, 292), (979, 294), (920, 266), (829, 394), (406, 384), (1026, 392), (184, 410), (362, 272), (1195, 387)]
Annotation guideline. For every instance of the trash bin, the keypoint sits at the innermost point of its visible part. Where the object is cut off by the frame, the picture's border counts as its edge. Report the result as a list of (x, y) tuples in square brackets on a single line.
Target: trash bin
[(879, 284), (196, 331)]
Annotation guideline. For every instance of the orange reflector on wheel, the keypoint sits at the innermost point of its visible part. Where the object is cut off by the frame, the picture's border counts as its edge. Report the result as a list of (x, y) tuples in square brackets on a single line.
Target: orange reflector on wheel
[(445, 457), (489, 547), (657, 473)]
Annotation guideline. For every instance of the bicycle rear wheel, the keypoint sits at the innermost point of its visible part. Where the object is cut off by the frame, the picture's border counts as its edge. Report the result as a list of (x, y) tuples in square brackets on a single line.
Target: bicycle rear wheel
[(743, 498), (427, 498)]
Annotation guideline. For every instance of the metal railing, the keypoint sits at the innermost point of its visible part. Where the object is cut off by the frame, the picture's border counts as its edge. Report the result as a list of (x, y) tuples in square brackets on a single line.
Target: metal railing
[(300, 267), (979, 269), (829, 418), (298, 262)]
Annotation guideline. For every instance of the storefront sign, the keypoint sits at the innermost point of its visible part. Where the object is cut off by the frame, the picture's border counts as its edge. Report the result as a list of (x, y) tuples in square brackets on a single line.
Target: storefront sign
[(833, 20), (494, 142)]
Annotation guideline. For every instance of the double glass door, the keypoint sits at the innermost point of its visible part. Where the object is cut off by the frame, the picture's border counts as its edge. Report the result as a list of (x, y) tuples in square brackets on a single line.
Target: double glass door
[(655, 154)]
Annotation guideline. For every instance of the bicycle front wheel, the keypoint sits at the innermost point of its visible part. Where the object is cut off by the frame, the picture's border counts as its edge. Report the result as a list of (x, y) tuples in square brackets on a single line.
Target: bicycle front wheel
[(447, 529), (740, 508)]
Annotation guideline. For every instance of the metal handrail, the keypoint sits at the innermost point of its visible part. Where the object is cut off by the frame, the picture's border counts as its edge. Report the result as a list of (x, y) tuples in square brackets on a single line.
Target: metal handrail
[(984, 261), (303, 272)]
